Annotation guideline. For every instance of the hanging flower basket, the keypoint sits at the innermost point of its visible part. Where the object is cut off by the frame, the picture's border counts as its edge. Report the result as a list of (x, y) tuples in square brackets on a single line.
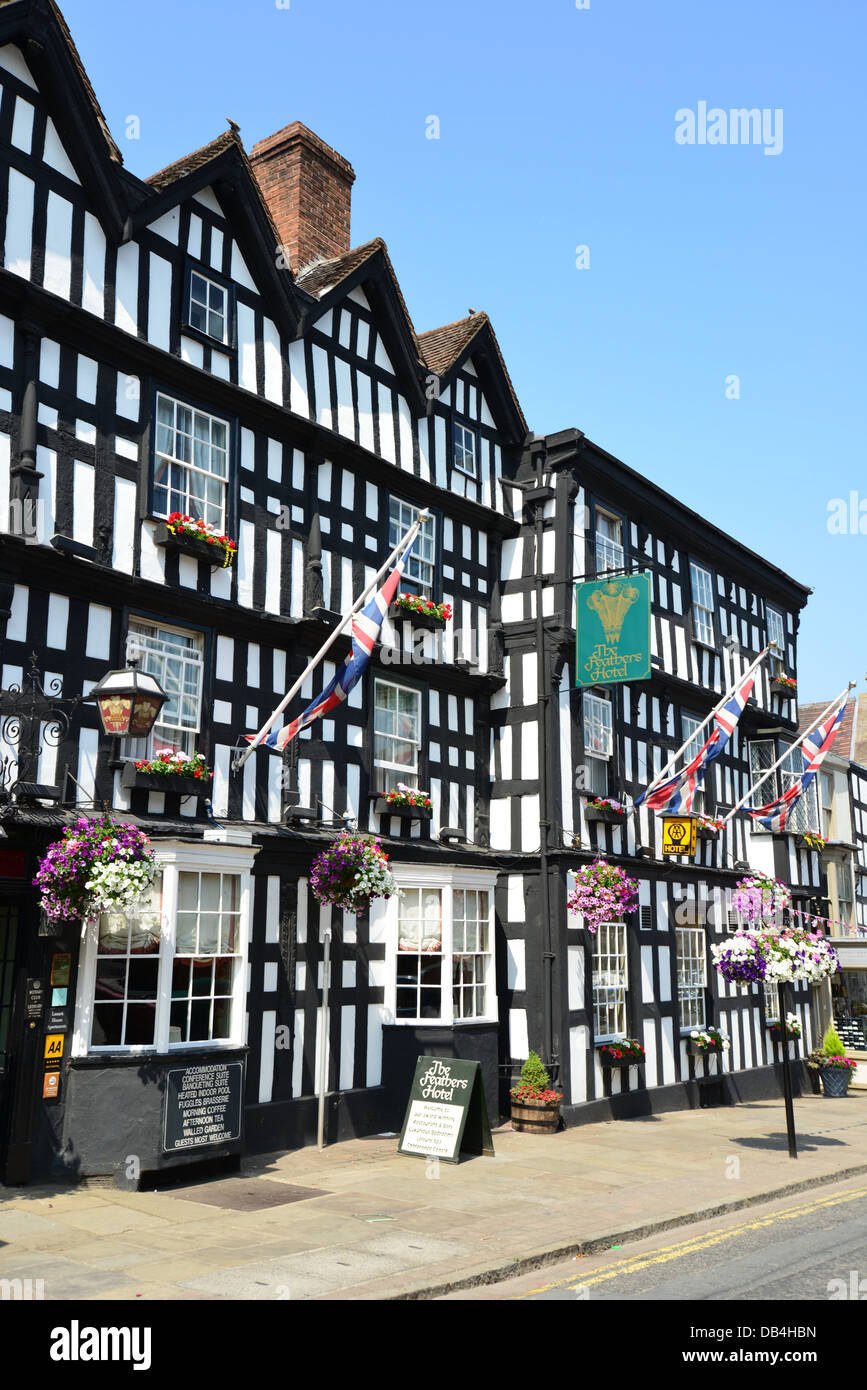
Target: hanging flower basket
[(772, 957), (351, 873), (603, 892), (761, 900), (99, 865)]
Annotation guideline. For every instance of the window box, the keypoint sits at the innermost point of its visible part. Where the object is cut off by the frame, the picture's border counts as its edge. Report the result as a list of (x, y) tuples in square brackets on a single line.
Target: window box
[(631, 1054), (808, 840), (709, 830), (196, 546), (779, 687), (381, 807), (693, 1049), (425, 621), (614, 815), (134, 780)]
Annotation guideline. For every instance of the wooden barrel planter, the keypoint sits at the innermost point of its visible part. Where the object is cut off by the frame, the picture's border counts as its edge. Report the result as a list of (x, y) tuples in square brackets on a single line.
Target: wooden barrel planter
[(535, 1116)]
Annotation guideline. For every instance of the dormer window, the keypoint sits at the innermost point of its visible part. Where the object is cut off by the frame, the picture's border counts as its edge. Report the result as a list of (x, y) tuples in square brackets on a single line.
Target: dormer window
[(465, 450), (208, 307)]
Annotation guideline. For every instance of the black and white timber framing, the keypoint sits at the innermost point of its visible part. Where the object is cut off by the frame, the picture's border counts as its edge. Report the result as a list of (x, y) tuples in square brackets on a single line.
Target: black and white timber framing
[(334, 406)]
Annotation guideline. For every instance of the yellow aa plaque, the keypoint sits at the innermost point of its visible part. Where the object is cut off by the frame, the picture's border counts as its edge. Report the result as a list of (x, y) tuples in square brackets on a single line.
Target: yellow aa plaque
[(678, 835)]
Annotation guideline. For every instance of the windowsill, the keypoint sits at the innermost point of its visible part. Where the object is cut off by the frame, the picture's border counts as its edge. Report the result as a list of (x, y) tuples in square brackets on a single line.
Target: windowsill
[(707, 646), (187, 331), (488, 1020), (135, 1056)]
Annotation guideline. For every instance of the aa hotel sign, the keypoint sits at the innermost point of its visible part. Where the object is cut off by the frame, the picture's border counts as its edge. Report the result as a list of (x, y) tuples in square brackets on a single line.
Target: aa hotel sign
[(612, 627)]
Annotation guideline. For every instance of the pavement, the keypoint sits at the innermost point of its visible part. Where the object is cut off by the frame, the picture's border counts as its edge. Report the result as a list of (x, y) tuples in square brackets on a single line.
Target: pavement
[(360, 1221)]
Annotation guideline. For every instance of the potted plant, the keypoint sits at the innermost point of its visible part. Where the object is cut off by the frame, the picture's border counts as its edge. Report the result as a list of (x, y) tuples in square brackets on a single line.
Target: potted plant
[(835, 1068), (351, 873), (784, 685), (99, 865), (604, 809), (168, 771), (404, 801), (535, 1107), (422, 612), (626, 1052), (703, 1041), (603, 892), (195, 537)]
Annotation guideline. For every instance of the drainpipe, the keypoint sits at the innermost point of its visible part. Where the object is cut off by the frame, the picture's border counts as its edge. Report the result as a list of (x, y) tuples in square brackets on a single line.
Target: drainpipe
[(324, 1049)]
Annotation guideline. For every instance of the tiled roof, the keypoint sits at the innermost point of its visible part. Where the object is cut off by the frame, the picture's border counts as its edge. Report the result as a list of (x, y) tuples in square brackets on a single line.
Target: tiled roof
[(113, 149), (842, 745), (440, 346), (181, 167), (324, 275)]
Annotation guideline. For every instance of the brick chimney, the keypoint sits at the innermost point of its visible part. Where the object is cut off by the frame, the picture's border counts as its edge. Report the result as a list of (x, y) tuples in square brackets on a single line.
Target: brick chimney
[(308, 188)]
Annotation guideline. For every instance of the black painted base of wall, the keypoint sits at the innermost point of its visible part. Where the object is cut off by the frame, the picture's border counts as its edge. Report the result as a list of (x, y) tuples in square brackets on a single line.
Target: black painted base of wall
[(759, 1083)]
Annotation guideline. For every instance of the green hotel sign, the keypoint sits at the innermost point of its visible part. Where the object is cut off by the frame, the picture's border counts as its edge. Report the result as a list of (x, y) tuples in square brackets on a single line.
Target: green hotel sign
[(612, 629)]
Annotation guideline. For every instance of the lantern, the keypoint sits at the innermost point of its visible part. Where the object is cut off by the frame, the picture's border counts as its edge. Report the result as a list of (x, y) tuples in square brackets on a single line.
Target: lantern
[(128, 701)]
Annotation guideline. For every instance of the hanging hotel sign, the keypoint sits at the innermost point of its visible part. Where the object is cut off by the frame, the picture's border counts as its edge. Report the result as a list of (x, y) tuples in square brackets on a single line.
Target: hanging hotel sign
[(446, 1114), (678, 835), (612, 630)]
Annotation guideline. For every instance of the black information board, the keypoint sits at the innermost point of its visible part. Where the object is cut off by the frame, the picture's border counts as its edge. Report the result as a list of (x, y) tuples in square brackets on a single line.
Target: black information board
[(203, 1105), (446, 1114), (35, 1002)]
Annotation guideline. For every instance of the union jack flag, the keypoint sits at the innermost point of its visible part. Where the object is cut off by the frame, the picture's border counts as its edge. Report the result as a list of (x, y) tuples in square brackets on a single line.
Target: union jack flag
[(678, 793), (775, 815), (365, 631)]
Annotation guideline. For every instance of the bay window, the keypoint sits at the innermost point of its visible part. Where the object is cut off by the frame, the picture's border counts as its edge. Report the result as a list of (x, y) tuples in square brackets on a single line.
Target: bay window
[(609, 981), (170, 973), (441, 946)]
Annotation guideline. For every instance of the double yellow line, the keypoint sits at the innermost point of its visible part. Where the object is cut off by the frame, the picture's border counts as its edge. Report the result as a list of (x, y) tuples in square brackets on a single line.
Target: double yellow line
[(635, 1263)]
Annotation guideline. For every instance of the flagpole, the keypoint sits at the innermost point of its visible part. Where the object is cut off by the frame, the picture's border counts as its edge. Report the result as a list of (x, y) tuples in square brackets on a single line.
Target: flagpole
[(751, 790), (314, 661), (660, 777)]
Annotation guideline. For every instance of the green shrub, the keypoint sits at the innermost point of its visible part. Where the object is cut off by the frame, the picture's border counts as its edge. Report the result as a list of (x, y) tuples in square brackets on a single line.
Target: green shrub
[(534, 1074), (832, 1044)]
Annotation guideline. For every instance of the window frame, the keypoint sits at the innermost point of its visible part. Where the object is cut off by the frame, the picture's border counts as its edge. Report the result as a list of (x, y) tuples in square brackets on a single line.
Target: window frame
[(376, 766), (692, 989), (187, 329), (598, 1036), (384, 923), (700, 799), (778, 663), (205, 701), (470, 430), (173, 858), (610, 515), (601, 762), (696, 568), (149, 511), (408, 583)]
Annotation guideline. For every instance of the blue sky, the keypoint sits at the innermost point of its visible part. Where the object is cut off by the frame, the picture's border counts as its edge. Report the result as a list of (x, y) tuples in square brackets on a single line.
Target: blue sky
[(557, 130)]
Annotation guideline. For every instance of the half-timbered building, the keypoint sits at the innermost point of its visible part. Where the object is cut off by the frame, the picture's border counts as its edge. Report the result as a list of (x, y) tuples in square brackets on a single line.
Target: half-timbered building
[(555, 747), (206, 341)]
